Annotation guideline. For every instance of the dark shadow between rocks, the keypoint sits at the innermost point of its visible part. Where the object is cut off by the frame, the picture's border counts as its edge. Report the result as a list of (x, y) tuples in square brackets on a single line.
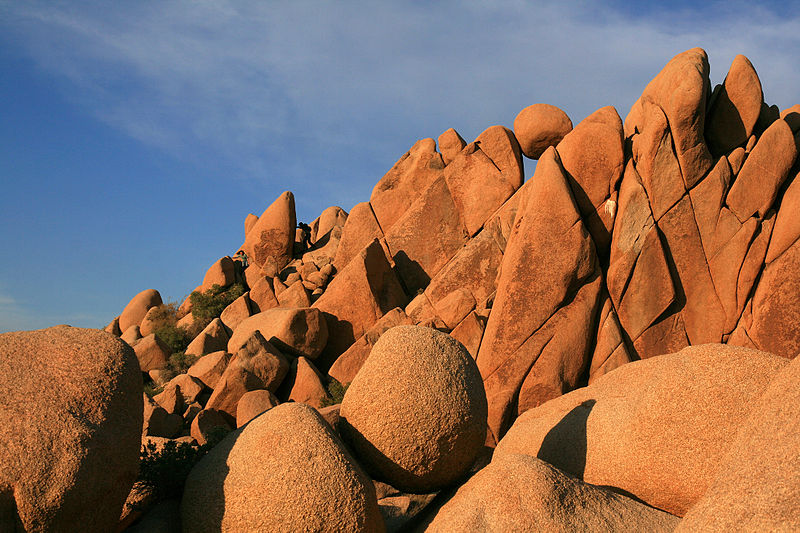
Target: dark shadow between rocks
[(410, 273), (565, 446)]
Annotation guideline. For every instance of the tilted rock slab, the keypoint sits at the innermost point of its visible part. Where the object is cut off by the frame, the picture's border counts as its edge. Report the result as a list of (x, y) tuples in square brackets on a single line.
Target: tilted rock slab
[(71, 413)]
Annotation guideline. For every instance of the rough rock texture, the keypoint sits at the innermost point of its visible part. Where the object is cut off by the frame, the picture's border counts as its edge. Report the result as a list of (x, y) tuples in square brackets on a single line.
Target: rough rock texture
[(416, 412), (71, 427), (252, 404), (213, 338), (756, 485), (656, 429), (261, 478), (347, 365), (262, 296), (271, 239), (306, 383), (735, 109), (236, 312), (209, 368), (151, 352), (134, 312), (206, 423), (540, 126), (406, 180), (538, 339), (302, 331), (523, 493), (365, 290), (360, 229)]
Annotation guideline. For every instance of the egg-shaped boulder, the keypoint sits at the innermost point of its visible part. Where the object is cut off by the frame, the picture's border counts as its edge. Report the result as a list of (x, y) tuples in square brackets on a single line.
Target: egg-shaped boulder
[(284, 471), (540, 126), (415, 414)]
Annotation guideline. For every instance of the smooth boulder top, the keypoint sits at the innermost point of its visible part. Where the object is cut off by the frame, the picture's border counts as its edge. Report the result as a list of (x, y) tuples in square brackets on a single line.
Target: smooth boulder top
[(71, 413), (523, 493), (655, 428), (134, 312), (415, 413), (540, 126), (297, 331), (757, 486), (284, 471)]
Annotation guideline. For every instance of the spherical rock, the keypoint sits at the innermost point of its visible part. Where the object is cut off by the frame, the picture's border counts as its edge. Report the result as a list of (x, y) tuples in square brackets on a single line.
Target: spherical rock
[(134, 312), (416, 412), (540, 126), (284, 471), (71, 412)]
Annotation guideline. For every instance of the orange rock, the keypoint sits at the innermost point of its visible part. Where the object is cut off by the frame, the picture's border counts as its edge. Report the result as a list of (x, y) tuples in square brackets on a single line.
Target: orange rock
[(473, 268), (534, 347), (470, 332), (681, 90), (332, 217), (152, 353), (360, 229), (420, 310), (611, 350), (655, 429), (735, 110), (236, 312), (478, 187), (430, 232), (501, 146), (206, 423), (212, 339), (272, 236), (131, 335), (261, 296), (408, 178), (755, 487), (763, 173), (113, 327), (301, 331), (296, 295), (454, 307), (72, 414), (149, 322), (179, 392), (736, 159), (209, 368), (358, 296), (450, 144), (284, 471), (350, 362), (256, 365), (134, 312), (540, 126), (306, 382), (787, 223), (157, 421), (252, 404), (416, 412), (249, 221), (592, 157), (792, 117), (522, 493), (221, 273)]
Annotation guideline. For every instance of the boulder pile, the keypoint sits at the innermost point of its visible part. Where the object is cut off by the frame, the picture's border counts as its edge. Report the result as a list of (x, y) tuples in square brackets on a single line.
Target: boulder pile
[(605, 346)]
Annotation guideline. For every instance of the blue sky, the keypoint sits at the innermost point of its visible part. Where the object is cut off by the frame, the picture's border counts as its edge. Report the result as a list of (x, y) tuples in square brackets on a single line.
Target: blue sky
[(136, 136)]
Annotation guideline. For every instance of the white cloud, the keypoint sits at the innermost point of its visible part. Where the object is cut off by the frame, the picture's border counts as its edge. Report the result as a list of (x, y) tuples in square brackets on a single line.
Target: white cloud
[(291, 89)]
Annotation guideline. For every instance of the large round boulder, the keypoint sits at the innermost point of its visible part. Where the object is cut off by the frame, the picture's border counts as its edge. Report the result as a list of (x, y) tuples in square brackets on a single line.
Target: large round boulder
[(540, 126), (656, 428), (523, 493), (134, 312), (284, 471), (757, 485), (70, 428), (416, 412)]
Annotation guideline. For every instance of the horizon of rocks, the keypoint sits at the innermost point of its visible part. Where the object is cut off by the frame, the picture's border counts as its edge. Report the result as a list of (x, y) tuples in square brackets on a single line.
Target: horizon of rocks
[(609, 345)]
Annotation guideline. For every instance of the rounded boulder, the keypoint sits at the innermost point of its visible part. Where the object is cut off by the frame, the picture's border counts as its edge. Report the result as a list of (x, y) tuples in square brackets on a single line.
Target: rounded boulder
[(284, 471), (415, 414), (540, 126), (134, 312), (71, 412)]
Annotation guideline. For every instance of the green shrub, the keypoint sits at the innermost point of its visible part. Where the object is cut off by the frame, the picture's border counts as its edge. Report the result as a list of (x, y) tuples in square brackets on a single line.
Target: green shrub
[(151, 388), (165, 470), (180, 362), (208, 305), (335, 393)]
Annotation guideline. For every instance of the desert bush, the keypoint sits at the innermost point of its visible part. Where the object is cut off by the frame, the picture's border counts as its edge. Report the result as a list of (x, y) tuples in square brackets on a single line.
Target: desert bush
[(335, 393), (165, 470), (208, 305)]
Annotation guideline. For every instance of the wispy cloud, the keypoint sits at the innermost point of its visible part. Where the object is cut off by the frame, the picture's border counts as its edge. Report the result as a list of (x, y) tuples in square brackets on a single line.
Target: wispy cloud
[(291, 89)]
